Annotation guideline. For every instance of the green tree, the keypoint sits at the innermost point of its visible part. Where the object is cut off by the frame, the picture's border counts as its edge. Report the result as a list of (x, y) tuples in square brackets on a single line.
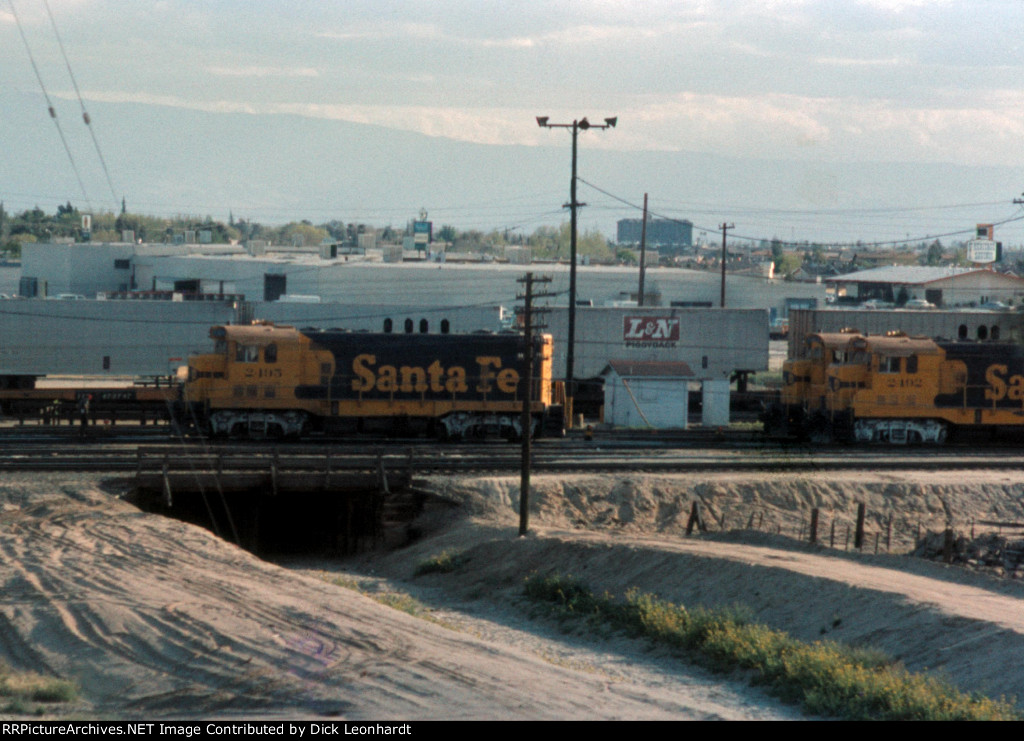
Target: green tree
[(554, 243), (788, 264), (447, 233), (301, 233)]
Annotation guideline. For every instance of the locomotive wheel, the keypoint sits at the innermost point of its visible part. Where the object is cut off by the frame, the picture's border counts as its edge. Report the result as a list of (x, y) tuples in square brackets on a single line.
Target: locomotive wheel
[(819, 432)]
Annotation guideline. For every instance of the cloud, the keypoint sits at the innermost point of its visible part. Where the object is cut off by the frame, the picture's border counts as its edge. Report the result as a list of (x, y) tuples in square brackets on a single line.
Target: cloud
[(262, 71), (767, 126)]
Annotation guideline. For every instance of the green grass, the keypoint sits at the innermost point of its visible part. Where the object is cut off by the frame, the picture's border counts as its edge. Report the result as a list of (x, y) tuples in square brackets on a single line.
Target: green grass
[(444, 562), (20, 689), (395, 600), (824, 677)]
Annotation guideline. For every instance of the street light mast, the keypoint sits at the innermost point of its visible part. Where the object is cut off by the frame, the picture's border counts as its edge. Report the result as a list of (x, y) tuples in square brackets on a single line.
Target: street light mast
[(573, 205)]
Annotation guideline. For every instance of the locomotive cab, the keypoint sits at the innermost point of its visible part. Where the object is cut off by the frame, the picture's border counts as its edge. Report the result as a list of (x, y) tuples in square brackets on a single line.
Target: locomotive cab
[(891, 395), (805, 382), (251, 368)]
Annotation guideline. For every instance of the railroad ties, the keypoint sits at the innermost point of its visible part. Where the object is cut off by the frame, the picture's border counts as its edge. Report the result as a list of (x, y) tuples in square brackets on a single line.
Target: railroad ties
[(309, 500)]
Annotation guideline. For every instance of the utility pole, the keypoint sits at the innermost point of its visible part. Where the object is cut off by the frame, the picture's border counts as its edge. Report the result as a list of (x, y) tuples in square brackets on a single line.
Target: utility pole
[(643, 255), (724, 228), (527, 384)]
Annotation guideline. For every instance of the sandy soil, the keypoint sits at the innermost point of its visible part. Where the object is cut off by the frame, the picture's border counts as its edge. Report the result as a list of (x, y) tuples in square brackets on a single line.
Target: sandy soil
[(157, 618)]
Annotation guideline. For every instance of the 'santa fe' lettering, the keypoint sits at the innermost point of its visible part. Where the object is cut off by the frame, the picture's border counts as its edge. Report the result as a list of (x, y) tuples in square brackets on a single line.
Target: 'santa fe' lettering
[(434, 378), (1000, 387)]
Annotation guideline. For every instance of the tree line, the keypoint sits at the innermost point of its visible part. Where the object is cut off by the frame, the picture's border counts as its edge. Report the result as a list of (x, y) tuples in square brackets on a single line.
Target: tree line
[(36, 225)]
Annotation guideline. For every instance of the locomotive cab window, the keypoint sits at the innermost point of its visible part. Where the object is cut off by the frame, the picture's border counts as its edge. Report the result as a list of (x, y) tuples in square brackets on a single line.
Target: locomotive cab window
[(270, 353), (247, 353), (911, 364), (888, 364), (858, 357)]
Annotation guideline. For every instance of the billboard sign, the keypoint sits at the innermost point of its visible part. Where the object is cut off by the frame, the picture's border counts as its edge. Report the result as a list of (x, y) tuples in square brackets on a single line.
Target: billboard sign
[(422, 233), (983, 251)]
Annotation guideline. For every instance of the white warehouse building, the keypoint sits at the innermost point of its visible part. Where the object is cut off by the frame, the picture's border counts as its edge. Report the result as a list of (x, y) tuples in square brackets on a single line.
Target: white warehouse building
[(88, 269)]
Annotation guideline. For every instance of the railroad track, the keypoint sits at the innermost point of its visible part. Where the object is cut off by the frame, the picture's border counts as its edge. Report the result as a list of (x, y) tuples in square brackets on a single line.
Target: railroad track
[(549, 456)]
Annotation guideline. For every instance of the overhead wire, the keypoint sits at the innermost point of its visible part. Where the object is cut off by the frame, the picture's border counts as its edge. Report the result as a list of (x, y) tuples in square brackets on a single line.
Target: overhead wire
[(49, 103), (880, 243), (85, 113)]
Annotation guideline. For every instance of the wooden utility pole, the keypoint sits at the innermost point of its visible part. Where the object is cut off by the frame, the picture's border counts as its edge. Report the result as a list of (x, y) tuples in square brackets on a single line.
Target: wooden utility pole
[(526, 383), (643, 255), (724, 228)]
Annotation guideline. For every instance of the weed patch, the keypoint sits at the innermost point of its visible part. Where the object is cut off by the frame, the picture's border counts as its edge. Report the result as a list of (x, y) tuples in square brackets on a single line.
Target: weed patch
[(23, 688), (395, 600), (826, 678), (444, 562)]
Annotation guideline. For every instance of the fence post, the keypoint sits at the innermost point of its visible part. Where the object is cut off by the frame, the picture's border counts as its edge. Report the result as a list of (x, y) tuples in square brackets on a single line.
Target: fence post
[(694, 519), (814, 525), (858, 537)]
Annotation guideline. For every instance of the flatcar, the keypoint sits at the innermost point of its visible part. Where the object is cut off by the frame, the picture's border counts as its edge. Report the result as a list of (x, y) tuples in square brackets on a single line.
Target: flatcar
[(263, 380)]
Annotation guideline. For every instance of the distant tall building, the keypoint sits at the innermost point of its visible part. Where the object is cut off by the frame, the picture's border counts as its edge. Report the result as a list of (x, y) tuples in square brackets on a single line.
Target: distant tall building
[(660, 232)]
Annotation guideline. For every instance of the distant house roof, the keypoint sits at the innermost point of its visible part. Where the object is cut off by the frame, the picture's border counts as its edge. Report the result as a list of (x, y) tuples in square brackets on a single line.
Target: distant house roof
[(903, 274), (649, 369)]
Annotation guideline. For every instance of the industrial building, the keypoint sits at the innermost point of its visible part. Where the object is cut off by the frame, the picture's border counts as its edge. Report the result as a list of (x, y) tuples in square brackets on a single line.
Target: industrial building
[(88, 269), (940, 286)]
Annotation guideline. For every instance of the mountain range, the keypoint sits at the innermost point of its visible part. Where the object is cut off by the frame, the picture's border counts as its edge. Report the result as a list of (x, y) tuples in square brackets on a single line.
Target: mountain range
[(279, 168)]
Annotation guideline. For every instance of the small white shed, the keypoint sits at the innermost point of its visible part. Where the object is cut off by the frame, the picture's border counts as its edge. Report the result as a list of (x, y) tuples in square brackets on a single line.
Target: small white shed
[(646, 393)]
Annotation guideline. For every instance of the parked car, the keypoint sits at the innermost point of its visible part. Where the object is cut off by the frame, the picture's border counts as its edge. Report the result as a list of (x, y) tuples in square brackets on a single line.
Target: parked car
[(778, 329)]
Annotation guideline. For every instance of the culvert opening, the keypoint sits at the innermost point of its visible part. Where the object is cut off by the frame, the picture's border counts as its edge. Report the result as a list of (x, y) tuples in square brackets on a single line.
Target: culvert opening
[(335, 521), (284, 501)]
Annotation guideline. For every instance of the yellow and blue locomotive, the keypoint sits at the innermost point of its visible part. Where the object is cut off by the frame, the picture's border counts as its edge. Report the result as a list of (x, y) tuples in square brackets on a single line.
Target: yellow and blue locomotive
[(899, 389), (263, 380)]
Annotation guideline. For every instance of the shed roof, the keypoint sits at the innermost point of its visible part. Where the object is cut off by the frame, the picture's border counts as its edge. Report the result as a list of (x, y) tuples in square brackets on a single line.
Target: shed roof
[(649, 369), (904, 274)]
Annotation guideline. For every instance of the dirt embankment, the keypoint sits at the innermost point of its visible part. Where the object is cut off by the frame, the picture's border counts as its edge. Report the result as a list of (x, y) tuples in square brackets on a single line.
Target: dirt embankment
[(153, 617)]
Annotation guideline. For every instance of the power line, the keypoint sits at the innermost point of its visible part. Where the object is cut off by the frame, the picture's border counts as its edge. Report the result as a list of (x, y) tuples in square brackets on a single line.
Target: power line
[(881, 243), (49, 103), (85, 114)]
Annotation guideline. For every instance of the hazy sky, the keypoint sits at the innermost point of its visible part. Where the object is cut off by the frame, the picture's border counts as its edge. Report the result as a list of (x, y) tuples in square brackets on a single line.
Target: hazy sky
[(837, 82)]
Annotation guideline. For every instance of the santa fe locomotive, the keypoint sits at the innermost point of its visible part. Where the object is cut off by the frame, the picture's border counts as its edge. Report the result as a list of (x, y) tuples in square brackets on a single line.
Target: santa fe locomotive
[(898, 389), (263, 380)]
